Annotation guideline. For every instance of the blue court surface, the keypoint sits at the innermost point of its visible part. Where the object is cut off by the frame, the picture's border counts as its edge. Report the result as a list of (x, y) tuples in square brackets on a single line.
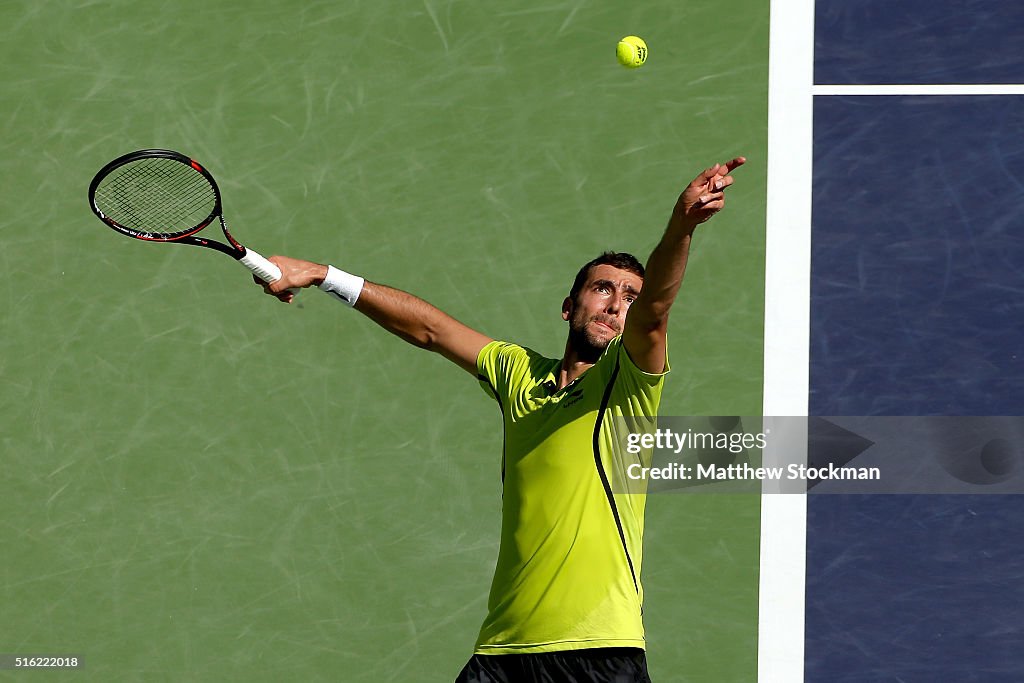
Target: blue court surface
[(917, 290), (917, 308), (918, 41)]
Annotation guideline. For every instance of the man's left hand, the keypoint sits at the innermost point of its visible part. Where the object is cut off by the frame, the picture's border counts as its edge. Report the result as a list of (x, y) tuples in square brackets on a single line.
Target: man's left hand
[(705, 195)]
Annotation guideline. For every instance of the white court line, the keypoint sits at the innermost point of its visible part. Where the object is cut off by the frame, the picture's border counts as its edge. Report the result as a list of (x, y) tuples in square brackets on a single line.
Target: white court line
[(780, 655), (909, 89)]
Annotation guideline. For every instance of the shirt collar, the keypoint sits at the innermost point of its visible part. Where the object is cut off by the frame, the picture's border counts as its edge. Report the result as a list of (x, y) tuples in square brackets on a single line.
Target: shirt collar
[(550, 379)]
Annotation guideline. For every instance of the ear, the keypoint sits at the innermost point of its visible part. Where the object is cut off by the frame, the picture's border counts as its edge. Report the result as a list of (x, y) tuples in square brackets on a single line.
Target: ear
[(566, 308)]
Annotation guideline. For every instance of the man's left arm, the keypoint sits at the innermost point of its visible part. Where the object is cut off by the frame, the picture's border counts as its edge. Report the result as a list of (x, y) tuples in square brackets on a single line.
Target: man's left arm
[(646, 325)]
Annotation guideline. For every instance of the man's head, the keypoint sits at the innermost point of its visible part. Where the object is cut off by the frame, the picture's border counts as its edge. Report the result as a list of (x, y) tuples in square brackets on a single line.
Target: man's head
[(597, 303)]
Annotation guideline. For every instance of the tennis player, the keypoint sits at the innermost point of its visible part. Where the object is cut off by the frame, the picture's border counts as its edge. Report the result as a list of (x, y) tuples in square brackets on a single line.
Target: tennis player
[(565, 602)]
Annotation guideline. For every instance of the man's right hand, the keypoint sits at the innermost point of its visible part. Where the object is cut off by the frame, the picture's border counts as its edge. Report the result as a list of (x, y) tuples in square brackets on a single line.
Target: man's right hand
[(295, 274)]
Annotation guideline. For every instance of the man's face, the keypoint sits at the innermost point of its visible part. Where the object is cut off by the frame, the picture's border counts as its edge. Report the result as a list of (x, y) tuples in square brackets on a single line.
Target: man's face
[(599, 312)]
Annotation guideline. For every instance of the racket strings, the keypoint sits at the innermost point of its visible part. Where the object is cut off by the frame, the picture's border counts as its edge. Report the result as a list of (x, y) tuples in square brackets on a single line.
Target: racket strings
[(171, 186), (132, 205), (154, 213), (171, 201), (156, 196), (177, 189)]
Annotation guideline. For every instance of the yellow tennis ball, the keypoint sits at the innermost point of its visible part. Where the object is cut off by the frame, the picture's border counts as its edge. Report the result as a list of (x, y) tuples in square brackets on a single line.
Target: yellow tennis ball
[(632, 52)]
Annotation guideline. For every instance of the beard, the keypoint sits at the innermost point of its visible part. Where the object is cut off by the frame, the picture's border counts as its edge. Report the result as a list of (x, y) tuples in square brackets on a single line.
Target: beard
[(587, 344)]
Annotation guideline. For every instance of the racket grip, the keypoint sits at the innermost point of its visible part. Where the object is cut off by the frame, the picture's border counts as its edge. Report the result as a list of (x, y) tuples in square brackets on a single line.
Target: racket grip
[(261, 267)]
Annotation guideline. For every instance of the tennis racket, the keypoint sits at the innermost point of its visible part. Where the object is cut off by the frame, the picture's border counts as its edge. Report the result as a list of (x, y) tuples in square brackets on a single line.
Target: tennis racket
[(159, 195)]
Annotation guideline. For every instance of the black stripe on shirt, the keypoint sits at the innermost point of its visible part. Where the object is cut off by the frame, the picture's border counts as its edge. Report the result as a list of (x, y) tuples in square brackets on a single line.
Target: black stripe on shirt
[(601, 472)]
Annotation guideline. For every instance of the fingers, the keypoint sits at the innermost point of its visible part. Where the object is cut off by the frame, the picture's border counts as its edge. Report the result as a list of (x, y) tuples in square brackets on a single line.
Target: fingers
[(711, 200), (706, 175), (279, 289), (281, 284), (709, 174), (714, 195), (715, 189), (729, 166), (285, 297), (705, 195), (721, 183)]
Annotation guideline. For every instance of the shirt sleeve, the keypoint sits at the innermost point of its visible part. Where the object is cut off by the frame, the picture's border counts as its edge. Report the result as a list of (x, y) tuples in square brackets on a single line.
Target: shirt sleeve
[(637, 391), (633, 401), (495, 367), (634, 370)]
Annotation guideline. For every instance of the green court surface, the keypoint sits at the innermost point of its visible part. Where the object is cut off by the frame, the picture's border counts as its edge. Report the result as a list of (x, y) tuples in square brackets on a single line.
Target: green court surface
[(201, 484)]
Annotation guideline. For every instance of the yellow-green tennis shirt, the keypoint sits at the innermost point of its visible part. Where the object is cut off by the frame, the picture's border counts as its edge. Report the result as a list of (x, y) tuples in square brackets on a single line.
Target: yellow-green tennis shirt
[(568, 570)]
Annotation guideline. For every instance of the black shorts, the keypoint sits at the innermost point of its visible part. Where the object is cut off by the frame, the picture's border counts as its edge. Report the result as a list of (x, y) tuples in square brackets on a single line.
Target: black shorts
[(598, 665)]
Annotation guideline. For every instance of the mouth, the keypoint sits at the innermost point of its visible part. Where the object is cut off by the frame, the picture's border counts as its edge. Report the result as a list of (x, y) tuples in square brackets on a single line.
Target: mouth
[(606, 325)]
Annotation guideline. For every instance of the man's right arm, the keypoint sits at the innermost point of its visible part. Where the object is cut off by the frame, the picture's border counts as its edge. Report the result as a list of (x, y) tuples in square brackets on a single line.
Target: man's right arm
[(398, 312)]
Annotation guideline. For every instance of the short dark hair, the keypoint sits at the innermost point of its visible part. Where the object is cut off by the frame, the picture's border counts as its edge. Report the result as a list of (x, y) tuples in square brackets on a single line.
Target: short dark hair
[(618, 259)]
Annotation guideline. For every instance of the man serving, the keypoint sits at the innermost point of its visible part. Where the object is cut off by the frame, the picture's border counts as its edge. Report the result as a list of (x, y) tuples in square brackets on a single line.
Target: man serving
[(565, 602)]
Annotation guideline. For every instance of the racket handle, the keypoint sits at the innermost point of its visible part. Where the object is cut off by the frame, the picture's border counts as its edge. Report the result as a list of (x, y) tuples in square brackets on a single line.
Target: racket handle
[(261, 267)]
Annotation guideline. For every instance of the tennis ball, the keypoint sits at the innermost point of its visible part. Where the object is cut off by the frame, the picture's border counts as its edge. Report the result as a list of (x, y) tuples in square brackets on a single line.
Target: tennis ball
[(632, 52)]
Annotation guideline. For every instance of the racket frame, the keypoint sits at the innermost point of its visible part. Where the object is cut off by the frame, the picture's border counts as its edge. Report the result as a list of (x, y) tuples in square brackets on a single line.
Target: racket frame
[(235, 250)]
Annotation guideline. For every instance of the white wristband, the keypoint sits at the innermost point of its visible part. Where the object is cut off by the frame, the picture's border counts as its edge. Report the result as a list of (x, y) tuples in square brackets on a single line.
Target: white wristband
[(342, 286)]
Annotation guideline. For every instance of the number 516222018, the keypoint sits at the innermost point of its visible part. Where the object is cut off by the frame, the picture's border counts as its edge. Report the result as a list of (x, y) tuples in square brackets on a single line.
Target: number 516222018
[(40, 661)]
